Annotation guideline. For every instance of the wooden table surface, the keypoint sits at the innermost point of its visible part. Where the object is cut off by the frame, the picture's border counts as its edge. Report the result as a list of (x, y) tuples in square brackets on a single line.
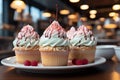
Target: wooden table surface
[(110, 70)]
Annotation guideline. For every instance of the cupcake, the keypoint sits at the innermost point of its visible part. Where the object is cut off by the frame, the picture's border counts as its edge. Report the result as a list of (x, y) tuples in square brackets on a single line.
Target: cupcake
[(70, 33), (54, 46), (26, 45), (83, 45)]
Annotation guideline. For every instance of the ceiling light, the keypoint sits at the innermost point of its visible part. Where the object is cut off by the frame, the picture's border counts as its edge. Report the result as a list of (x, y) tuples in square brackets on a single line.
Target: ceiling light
[(74, 1), (46, 14), (64, 12), (83, 19), (93, 11), (102, 19), (116, 7), (111, 14), (116, 18), (18, 4), (19, 10), (92, 16), (89, 27), (72, 16), (110, 26), (99, 27), (84, 7)]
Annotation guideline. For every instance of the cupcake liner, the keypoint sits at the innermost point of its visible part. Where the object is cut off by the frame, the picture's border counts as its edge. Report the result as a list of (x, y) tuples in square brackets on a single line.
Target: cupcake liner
[(82, 53), (31, 55), (54, 58)]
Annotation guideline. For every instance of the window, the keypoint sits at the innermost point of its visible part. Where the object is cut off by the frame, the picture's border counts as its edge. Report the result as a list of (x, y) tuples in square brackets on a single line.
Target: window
[(35, 13), (26, 11), (1, 11)]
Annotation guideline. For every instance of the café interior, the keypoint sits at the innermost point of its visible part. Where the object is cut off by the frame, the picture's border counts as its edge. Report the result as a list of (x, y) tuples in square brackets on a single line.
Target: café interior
[(102, 17)]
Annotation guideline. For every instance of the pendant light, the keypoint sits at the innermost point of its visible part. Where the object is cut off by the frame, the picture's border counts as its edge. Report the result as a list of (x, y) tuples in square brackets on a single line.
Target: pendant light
[(74, 1), (18, 5), (46, 14)]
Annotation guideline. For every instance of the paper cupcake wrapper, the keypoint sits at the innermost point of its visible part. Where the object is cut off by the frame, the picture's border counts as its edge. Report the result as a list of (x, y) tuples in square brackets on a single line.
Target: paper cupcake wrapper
[(54, 58), (31, 55), (83, 53)]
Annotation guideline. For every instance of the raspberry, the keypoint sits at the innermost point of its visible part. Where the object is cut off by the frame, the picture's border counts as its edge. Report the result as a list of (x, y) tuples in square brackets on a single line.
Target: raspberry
[(84, 61), (78, 62), (34, 63), (74, 61), (27, 63)]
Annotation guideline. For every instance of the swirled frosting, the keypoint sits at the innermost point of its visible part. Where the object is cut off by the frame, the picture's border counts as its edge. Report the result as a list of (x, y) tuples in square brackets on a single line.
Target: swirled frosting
[(53, 36), (83, 37), (27, 37), (71, 32)]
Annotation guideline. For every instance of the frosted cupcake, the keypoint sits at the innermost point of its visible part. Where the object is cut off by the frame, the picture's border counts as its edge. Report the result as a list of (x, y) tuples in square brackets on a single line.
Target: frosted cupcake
[(54, 46), (26, 45), (83, 45)]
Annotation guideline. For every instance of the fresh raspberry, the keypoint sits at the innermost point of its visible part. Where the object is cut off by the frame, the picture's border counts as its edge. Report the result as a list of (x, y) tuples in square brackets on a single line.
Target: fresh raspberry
[(78, 62), (27, 63), (84, 61), (74, 61), (34, 63)]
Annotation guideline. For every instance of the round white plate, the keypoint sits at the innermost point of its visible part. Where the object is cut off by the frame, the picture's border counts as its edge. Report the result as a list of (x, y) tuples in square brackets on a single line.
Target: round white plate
[(11, 62)]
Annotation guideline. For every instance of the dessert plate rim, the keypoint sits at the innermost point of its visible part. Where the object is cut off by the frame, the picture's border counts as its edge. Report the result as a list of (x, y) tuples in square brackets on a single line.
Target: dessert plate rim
[(11, 62)]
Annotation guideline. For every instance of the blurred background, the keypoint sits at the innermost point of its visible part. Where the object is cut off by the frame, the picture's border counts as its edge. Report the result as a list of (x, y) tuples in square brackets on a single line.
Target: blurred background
[(100, 16)]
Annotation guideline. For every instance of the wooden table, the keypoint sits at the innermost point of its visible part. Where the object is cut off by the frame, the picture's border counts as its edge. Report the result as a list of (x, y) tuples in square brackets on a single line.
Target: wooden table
[(107, 71)]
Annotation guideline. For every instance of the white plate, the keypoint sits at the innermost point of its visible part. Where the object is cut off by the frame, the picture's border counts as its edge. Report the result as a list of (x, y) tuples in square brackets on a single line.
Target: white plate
[(11, 62)]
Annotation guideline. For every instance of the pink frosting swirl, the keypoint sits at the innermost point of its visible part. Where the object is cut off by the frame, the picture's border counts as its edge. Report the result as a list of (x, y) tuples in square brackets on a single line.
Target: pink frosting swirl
[(28, 31), (54, 29), (27, 37), (71, 32), (84, 30), (83, 36)]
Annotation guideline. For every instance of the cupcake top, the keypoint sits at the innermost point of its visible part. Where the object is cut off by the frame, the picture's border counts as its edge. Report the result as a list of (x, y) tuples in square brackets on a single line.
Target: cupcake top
[(83, 37), (70, 33), (54, 36), (27, 38)]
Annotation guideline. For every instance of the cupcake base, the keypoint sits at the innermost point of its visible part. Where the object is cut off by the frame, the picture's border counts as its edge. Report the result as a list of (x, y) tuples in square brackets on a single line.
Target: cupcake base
[(23, 55), (83, 52), (54, 58)]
